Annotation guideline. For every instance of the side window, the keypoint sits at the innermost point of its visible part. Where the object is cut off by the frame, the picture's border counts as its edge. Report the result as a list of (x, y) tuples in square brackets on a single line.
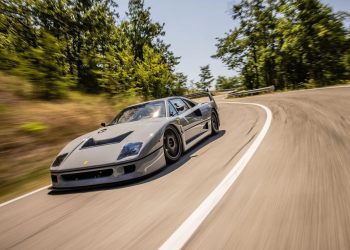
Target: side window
[(179, 105), (189, 103), (172, 110)]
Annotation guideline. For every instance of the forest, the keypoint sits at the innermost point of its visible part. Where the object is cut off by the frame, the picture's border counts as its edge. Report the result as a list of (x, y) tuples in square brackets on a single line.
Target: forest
[(286, 43), (63, 45), (60, 45)]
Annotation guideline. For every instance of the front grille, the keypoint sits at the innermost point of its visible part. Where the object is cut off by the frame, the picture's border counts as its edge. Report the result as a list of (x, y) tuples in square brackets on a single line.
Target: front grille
[(87, 175)]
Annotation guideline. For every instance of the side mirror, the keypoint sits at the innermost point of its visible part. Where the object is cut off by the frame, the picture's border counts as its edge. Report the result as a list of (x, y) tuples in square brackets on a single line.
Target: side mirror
[(103, 124)]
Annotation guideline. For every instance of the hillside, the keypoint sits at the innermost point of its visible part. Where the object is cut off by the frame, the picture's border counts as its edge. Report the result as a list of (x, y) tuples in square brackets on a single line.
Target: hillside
[(32, 132)]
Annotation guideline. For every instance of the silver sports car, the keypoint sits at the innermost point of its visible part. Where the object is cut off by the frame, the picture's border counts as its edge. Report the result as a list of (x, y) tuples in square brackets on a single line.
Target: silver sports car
[(140, 140)]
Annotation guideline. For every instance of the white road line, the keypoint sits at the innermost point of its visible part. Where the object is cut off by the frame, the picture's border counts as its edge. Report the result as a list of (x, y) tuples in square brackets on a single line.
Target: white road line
[(179, 238), (25, 195)]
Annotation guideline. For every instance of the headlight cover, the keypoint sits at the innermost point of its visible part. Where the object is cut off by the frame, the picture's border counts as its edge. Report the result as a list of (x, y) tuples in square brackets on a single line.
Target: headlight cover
[(130, 149), (59, 159)]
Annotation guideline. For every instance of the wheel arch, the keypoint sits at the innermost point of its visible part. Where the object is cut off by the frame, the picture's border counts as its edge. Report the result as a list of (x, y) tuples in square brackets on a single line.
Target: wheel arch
[(217, 114), (178, 132)]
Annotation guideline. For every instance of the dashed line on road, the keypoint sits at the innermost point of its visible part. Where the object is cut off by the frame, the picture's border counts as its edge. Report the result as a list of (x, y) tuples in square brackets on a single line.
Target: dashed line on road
[(181, 236)]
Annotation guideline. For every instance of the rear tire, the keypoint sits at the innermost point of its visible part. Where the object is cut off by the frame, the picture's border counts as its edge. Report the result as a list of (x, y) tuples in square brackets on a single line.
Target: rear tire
[(172, 145), (214, 123)]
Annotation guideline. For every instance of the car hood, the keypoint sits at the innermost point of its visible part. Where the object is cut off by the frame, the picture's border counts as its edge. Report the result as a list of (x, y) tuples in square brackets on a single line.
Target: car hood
[(103, 146)]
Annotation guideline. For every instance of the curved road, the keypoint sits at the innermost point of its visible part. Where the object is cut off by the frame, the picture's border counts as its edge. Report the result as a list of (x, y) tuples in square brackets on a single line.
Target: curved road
[(293, 194)]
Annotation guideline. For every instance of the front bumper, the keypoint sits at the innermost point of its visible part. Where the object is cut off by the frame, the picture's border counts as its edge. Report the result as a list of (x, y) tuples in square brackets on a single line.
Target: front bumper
[(65, 179)]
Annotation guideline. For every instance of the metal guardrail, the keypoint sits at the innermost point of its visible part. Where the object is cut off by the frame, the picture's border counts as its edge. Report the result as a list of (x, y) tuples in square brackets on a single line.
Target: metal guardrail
[(198, 95), (232, 92), (252, 91), (205, 93), (225, 90)]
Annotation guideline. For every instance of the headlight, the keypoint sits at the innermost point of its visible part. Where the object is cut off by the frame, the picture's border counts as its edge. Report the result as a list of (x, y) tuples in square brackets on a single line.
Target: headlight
[(130, 149), (59, 159)]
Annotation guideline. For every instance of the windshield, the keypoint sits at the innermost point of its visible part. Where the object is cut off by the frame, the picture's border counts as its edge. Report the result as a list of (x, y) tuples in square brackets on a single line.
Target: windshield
[(140, 112)]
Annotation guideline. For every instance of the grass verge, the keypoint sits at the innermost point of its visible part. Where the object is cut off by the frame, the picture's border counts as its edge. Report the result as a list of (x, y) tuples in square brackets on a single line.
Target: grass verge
[(33, 132)]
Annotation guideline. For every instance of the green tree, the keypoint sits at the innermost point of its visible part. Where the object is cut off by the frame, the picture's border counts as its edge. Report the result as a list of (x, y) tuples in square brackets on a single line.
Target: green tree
[(287, 43), (44, 66), (321, 38), (145, 36), (142, 31), (251, 46), (223, 82), (16, 32), (91, 26), (206, 78), (151, 74), (179, 87), (83, 29), (81, 43), (116, 67)]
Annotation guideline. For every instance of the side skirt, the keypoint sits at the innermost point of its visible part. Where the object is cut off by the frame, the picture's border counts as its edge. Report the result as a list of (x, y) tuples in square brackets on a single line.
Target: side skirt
[(190, 143)]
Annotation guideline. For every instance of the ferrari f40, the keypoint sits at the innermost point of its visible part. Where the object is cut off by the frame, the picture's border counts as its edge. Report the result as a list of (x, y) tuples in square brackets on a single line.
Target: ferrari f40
[(141, 139)]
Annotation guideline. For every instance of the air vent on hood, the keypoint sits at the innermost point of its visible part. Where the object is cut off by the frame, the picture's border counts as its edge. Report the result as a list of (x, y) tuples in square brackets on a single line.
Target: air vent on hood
[(94, 143)]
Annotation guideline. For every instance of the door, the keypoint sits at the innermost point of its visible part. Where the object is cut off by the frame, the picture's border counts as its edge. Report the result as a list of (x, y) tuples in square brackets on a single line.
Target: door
[(191, 118)]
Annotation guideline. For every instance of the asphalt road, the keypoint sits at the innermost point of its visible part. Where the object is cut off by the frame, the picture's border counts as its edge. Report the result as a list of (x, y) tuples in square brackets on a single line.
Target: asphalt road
[(293, 194)]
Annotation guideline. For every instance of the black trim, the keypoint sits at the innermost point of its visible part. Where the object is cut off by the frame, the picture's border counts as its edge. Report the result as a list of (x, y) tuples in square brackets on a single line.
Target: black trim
[(195, 137), (59, 159), (103, 173), (187, 101), (177, 113), (197, 124), (103, 166), (179, 98), (90, 143)]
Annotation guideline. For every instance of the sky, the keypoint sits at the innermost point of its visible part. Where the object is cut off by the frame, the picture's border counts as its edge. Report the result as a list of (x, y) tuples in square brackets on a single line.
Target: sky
[(192, 27)]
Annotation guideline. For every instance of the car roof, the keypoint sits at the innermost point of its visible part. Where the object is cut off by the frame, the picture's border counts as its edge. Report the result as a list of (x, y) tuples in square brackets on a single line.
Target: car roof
[(157, 100)]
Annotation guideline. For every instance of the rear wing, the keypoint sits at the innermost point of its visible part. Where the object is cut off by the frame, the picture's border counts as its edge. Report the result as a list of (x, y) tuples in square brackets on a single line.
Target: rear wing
[(203, 94), (200, 94)]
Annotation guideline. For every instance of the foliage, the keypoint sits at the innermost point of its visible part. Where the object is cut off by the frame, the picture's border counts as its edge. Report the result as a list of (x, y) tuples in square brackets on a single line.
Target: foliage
[(116, 67), (223, 82), (152, 74), (53, 125), (154, 61), (79, 44), (44, 66), (33, 127), (179, 87), (206, 78), (286, 43)]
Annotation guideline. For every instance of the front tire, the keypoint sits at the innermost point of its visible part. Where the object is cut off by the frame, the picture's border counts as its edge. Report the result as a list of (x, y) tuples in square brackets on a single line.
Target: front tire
[(172, 145), (214, 123)]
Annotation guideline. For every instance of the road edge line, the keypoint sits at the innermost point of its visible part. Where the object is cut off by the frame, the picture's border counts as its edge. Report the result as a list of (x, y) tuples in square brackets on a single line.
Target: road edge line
[(183, 233), (23, 196)]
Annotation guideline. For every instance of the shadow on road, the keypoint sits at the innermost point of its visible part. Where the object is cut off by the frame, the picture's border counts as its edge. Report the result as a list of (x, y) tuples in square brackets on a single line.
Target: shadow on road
[(153, 176)]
